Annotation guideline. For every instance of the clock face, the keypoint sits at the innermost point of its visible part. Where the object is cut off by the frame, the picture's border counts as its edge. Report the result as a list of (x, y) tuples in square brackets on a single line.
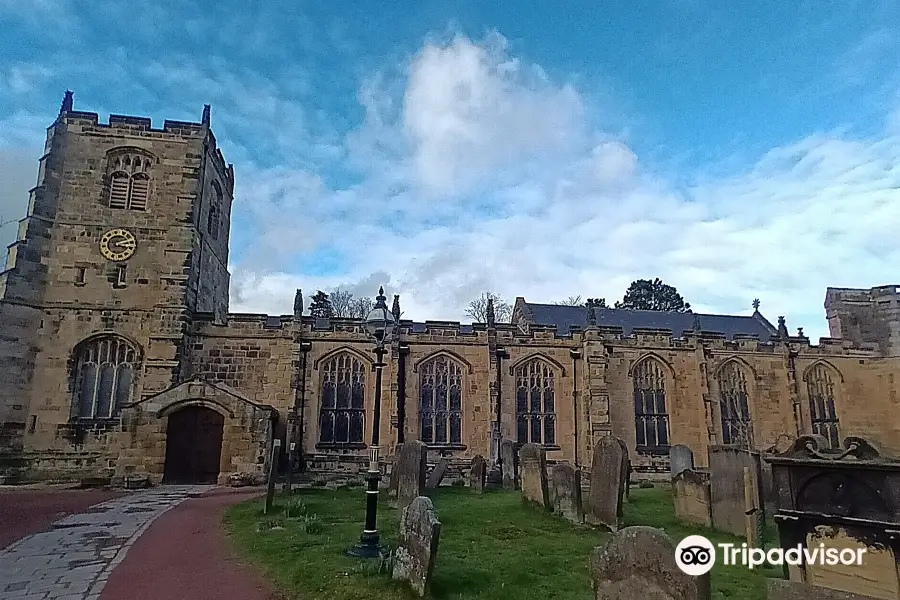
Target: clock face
[(117, 244)]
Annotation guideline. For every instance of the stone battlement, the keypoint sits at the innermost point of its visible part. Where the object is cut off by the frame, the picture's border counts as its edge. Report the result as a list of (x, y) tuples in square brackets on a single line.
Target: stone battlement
[(129, 124), (310, 328)]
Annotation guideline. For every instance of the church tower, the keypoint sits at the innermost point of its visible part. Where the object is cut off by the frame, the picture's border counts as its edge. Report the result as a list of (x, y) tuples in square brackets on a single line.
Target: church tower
[(125, 239)]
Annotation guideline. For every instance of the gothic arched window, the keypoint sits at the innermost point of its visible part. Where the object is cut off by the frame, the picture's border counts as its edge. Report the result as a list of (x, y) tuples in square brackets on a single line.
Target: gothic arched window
[(342, 415), (128, 179), (651, 419), (822, 411), (440, 401), (104, 376), (535, 403), (734, 405)]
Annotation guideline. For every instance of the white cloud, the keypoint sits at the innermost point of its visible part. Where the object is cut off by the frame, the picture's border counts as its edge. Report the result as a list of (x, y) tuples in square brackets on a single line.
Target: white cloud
[(478, 171), (554, 213)]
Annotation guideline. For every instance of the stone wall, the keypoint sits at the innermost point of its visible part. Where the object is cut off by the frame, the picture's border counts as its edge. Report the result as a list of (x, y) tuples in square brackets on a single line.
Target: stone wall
[(141, 444), (866, 316)]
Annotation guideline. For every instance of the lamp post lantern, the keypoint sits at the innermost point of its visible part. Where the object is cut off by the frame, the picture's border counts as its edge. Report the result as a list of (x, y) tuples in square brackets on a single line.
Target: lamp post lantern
[(379, 326)]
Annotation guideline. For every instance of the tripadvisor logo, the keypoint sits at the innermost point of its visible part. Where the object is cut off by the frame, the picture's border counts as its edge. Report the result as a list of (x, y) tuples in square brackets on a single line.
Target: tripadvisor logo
[(695, 555)]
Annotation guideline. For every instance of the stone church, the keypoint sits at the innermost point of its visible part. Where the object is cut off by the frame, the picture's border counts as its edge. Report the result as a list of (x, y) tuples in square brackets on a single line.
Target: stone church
[(118, 354)]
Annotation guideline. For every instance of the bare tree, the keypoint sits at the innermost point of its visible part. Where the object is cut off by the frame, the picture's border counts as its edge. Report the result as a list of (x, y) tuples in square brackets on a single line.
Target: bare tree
[(570, 301), (341, 302), (360, 307), (477, 310)]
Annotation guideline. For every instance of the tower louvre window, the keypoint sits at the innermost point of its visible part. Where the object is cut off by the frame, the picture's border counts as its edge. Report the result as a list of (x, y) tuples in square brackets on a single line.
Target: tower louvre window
[(140, 189), (212, 218), (128, 180), (118, 190)]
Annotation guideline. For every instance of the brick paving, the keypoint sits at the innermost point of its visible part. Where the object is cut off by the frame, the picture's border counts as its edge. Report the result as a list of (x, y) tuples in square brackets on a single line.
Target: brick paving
[(186, 554), (73, 560)]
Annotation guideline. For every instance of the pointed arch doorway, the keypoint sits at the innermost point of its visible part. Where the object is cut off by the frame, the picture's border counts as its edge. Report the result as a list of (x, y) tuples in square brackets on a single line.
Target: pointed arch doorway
[(193, 445)]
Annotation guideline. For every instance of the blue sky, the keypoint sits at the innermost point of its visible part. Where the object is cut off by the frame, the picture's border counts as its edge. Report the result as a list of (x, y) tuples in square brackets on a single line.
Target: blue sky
[(736, 150)]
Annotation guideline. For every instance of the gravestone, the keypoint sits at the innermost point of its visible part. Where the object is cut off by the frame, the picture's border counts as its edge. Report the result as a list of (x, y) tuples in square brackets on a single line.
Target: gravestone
[(626, 474), (395, 472), (565, 485), (604, 505), (437, 474), (726, 479), (681, 457), (477, 474), (509, 459), (690, 492), (533, 469), (410, 466), (420, 532), (638, 563)]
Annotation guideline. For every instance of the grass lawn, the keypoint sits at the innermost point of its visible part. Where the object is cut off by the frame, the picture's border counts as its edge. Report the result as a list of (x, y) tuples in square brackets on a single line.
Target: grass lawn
[(491, 547)]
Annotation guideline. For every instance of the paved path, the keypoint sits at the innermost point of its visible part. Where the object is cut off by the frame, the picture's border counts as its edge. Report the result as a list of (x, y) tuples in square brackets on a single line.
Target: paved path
[(73, 560), (185, 555), (26, 511)]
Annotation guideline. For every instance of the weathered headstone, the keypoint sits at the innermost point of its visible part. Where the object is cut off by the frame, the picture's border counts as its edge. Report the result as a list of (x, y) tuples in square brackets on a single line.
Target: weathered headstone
[(477, 474), (726, 471), (626, 474), (751, 508), (604, 505), (509, 459), (638, 563), (420, 532), (565, 483), (681, 457), (437, 474), (410, 467), (395, 472), (533, 469), (690, 492)]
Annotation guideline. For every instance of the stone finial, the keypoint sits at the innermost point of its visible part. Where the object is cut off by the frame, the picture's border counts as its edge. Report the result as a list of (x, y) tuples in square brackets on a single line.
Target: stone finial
[(491, 319), (298, 303), (756, 304), (395, 308), (592, 311), (205, 119), (800, 332), (696, 325), (782, 328), (67, 103)]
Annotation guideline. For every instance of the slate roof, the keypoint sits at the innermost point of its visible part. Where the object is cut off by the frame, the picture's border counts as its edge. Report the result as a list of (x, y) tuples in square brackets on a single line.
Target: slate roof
[(566, 316)]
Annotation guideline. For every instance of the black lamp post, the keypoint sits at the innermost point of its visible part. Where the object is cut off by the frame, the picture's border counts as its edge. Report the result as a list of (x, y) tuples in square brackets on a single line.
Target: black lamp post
[(380, 326)]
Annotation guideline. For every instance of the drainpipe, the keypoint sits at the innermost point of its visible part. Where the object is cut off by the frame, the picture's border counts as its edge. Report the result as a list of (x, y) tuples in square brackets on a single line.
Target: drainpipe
[(575, 354), (500, 353), (403, 351), (300, 402)]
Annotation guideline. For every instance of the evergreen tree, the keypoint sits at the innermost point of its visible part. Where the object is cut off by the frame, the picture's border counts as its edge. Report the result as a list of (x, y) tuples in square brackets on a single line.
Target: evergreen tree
[(646, 294), (320, 306)]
